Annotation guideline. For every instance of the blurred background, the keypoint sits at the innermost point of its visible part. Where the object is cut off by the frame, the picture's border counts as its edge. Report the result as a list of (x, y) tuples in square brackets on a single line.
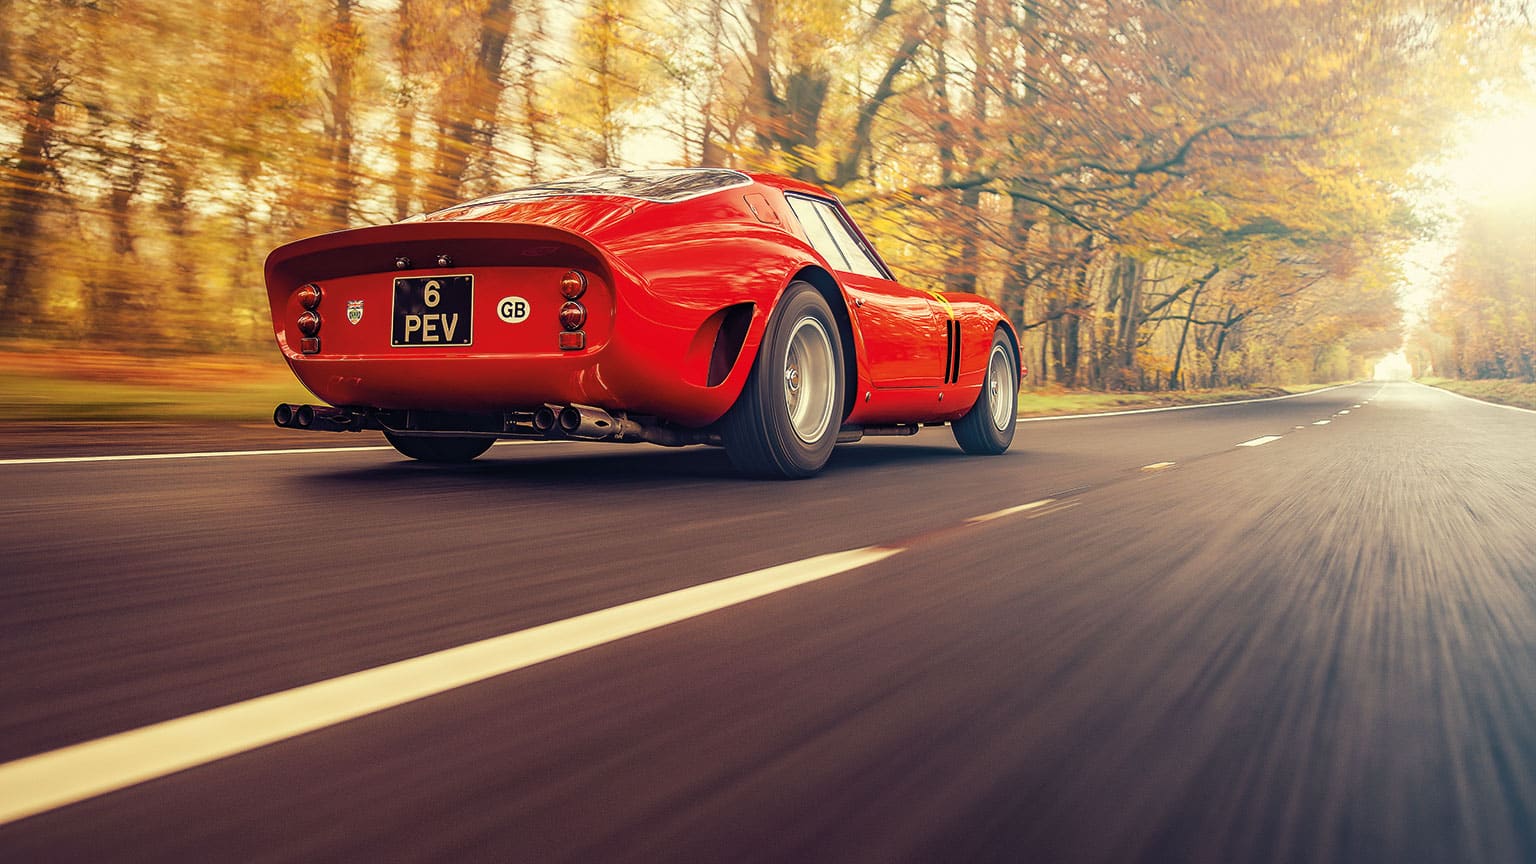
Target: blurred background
[(1164, 195)]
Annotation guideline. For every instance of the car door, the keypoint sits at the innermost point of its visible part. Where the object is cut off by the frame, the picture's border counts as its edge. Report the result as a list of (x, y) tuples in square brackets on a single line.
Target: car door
[(903, 329)]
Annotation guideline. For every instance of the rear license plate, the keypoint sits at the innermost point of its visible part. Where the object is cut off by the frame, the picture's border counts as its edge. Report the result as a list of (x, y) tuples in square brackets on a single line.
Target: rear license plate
[(433, 310)]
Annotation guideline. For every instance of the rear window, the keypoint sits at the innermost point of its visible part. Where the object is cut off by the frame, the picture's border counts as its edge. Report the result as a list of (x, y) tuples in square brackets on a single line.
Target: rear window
[(662, 185)]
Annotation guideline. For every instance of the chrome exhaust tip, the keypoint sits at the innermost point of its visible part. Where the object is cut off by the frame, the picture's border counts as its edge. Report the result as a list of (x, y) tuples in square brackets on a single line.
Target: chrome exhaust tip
[(581, 421), (545, 418), (283, 415), (304, 416)]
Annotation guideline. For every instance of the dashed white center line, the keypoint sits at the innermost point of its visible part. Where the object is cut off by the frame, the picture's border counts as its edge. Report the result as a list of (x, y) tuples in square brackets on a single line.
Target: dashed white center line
[(1298, 427), (1341, 413), (1158, 466), (50, 780), (1009, 511), (1322, 422), (1260, 442)]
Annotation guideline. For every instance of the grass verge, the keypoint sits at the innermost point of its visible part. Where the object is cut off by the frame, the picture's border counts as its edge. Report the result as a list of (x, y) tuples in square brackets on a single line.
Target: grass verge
[(45, 382), (1518, 393)]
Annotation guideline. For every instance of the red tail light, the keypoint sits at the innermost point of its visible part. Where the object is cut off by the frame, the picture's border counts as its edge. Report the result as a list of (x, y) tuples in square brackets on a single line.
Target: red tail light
[(309, 296), (309, 323), (573, 285), (572, 315)]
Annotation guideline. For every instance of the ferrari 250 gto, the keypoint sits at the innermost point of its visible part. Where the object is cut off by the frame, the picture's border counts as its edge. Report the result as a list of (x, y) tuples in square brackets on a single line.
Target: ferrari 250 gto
[(675, 306)]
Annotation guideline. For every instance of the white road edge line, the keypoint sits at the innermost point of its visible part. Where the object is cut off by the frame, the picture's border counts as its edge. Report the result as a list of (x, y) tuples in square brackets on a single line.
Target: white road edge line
[(145, 457), (1180, 407), (1009, 511), (1475, 399), (50, 780), (1260, 442)]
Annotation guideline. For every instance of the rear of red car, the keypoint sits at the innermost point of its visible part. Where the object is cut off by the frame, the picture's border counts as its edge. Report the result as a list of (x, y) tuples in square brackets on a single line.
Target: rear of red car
[(386, 317)]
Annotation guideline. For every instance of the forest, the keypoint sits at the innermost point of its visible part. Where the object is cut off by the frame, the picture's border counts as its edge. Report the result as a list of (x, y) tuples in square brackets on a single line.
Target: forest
[(1163, 194)]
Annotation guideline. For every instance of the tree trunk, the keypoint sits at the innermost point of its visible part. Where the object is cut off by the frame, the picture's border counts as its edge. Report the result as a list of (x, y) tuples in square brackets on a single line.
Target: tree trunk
[(968, 268), (468, 125), (528, 82), (345, 42), (1178, 357), (1221, 342), (24, 205), (404, 185), (1016, 277), (1131, 315)]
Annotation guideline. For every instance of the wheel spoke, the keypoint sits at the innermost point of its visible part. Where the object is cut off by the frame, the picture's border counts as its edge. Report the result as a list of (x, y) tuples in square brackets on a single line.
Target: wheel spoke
[(1000, 383), (809, 382)]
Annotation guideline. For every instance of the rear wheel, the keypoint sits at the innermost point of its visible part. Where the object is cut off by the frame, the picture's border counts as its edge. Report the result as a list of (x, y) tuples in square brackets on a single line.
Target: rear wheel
[(786, 420), (988, 428), (439, 449)]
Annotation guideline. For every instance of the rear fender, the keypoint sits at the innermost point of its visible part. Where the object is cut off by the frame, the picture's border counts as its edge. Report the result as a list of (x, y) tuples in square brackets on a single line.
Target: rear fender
[(828, 287)]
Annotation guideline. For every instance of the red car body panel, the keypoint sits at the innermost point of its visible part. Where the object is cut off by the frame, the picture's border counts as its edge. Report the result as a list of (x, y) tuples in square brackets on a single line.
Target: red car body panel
[(679, 294)]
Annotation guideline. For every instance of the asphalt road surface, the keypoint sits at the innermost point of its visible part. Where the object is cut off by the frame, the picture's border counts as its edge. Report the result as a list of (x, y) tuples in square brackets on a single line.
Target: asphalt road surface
[(1129, 639)]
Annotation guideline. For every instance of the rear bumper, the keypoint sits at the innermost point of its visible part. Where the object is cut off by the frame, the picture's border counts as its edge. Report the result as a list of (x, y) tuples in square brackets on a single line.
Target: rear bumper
[(551, 422), (616, 378)]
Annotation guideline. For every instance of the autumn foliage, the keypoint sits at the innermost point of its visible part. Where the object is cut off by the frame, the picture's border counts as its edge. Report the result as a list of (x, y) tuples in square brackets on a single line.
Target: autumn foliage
[(1162, 193)]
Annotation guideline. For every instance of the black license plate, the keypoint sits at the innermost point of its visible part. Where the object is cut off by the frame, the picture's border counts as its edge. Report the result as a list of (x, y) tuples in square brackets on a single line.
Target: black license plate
[(433, 310)]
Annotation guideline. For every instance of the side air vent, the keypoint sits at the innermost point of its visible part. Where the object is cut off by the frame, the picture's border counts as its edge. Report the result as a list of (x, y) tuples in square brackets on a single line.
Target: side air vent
[(728, 341), (952, 355)]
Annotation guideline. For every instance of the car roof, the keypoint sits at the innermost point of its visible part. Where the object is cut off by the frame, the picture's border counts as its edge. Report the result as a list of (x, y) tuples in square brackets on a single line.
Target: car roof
[(658, 185), (790, 184)]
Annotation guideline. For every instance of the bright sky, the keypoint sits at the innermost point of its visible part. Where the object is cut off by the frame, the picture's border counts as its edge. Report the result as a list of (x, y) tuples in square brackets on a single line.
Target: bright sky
[(1495, 160), (1498, 158)]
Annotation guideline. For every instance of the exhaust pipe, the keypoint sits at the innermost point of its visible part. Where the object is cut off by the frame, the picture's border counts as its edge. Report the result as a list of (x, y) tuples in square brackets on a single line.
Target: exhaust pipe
[(545, 419), (322, 418), (595, 424), (584, 421)]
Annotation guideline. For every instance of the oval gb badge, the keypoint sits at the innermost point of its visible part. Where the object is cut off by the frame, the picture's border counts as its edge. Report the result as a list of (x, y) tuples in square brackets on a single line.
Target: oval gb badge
[(513, 310)]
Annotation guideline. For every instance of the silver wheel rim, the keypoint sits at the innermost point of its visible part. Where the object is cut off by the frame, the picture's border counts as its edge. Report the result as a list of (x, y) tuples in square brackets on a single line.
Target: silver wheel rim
[(809, 385), (1000, 387)]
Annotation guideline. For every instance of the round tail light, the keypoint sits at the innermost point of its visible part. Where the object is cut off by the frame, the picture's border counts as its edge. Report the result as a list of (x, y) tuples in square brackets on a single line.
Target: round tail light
[(309, 323), (572, 285), (572, 315), (309, 296)]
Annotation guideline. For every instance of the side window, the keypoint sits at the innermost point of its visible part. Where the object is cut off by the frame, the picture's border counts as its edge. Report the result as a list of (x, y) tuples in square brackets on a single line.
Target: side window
[(831, 237)]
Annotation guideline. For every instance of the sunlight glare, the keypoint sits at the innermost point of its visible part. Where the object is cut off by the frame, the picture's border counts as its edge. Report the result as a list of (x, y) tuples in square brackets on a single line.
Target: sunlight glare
[(1495, 163), (1393, 367)]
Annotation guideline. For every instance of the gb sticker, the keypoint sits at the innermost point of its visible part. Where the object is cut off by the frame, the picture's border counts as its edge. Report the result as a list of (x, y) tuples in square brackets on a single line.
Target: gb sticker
[(513, 310)]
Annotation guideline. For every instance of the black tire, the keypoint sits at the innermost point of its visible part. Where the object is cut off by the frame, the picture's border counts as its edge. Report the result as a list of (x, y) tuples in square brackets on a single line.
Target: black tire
[(439, 449), (785, 422), (987, 429)]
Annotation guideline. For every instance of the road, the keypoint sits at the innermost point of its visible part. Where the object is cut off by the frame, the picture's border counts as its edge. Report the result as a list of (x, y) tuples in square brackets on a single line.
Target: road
[(1129, 639)]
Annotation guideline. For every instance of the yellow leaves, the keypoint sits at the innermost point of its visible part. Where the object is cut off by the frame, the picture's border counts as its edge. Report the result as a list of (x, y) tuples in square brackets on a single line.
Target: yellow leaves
[(342, 40)]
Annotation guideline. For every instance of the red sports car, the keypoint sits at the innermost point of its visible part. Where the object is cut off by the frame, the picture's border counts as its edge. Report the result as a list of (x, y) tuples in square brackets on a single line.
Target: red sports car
[(676, 306)]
